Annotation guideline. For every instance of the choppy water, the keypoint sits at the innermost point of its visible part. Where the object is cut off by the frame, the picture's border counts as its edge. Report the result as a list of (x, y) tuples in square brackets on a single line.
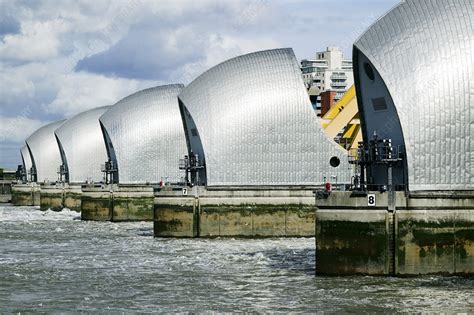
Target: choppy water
[(52, 262)]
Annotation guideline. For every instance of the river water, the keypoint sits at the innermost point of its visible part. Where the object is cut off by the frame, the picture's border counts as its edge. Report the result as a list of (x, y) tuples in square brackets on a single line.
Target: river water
[(51, 262)]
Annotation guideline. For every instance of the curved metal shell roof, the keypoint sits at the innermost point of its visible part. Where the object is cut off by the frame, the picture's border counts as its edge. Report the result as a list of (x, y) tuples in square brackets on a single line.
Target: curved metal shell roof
[(257, 126), (423, 51), (44, 151), (147, 135), (82, 143), (27, 163)]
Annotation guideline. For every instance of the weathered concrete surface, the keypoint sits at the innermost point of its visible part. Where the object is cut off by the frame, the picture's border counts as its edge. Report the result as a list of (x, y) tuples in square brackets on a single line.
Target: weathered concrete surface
[(440, 241), (59, 196), (429, 233), (26, 194), (5, 198), (132, 203), (351, 242), (256, 220), (175, 217), (51, 197), (117, 203), (5, 191), (96, 204), (72, 197), (240, 213)]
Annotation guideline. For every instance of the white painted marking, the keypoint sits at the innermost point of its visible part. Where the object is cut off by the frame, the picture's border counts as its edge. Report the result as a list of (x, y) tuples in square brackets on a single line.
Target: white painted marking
[(371, 200)]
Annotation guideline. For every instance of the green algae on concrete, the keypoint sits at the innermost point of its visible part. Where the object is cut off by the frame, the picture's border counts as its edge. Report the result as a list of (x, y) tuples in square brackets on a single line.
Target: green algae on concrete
[(72, 200), (26, 194), (96, 204), (221, 220), (435, 242), (429, 233), (59, 196), (300, 221), (51, 198), (132, 203), (96, 209), (226, 221), (129, 208), (117, 203), (175, 220), (235, 212), (351, 242)]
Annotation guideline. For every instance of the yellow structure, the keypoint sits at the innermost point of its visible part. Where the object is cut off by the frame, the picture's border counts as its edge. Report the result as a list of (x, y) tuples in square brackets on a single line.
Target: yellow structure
[(342, 122)]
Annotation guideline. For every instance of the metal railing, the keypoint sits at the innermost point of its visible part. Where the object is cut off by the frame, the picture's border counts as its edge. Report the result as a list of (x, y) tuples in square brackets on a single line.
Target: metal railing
[(379, 152), (338, 83), (338, 76)]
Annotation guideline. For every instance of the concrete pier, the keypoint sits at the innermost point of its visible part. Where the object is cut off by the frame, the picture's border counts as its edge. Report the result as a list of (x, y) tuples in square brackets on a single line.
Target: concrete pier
[(117, 203), (26, 194), (5, 198), (51, 197), (72, 197), (237, 212), (428, 233), (60, 195), (5, 191)]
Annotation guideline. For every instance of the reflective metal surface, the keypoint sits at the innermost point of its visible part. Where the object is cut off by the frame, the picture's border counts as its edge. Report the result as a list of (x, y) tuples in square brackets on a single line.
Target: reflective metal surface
[(26, 158), (147, 135), (83, 145), (256, 124), (423, 51), (45, 152)]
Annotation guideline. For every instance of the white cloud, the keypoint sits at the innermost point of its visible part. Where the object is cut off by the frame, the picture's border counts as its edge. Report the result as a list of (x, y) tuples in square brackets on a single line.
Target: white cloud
[(37, 41), (169, 40), (218, 49), (29, 85), (17, 129), (15, 88), (81, 91)]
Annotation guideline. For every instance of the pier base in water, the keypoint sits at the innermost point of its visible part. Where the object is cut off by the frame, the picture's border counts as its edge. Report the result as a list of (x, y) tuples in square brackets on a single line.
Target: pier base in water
[(235, 213), (428, 233), (117, 203), (26, 194), (59, 196)]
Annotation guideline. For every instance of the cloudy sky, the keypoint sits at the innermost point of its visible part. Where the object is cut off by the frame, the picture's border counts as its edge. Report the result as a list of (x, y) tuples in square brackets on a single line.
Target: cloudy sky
[(60, 57)]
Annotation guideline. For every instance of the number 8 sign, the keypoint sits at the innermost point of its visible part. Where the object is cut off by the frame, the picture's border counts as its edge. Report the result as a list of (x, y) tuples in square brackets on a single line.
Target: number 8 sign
[(371, 200)]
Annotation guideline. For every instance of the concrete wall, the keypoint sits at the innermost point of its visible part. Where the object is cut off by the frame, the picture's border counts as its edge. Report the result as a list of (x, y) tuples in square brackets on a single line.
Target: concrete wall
[(96, 204), (5, 198), (430, 233), (26, 194), (51, 197), (117, 203), (242, 213), (351, 242), (57, 197), (435, 241), (175, 216), (72, 197), (133, 203)]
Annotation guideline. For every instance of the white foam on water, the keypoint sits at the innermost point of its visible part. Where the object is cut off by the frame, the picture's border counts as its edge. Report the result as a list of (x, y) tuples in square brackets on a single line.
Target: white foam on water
[(16, 214), (96, 267)]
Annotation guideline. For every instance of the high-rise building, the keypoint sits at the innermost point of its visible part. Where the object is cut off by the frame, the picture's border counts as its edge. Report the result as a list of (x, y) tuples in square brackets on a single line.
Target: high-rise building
[(328, 72)]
